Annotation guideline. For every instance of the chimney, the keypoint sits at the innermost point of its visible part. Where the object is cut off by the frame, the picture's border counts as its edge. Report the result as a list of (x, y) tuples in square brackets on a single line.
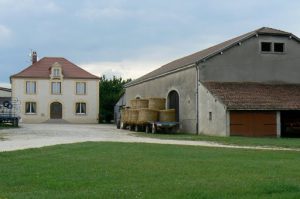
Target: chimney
[(33, 57)]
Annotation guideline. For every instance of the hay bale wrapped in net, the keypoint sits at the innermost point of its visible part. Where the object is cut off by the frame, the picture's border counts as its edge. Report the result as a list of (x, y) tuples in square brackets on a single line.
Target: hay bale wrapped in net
[(157, 103), (124, 115), (168, 115), (139, 103), (133, 116), (133, 103), (146, 115)]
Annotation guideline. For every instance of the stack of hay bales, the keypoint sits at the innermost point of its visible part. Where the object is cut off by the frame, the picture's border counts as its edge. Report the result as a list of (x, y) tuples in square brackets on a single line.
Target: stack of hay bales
[(143, 111)]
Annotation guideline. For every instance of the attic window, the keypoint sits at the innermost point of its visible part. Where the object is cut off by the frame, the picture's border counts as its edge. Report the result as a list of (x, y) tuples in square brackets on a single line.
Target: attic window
[(279, 47), (266, 46), (56, 72)]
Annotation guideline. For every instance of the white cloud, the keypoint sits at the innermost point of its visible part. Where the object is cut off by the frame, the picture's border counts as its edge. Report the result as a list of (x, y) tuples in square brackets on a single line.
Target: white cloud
[(109, 12), (5, 85), (13, 7), (125, 69), (5, 34)]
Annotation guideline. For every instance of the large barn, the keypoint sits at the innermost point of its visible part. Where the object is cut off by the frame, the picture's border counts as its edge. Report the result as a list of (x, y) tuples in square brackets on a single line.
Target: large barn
[(248, 85)]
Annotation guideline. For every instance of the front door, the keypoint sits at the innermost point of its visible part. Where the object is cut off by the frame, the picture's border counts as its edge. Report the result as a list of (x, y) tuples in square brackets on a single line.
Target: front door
[(56, 110)]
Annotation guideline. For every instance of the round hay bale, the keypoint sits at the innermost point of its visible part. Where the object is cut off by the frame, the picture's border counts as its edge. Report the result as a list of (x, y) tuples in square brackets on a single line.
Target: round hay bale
[(147, 115), (133, 103), (139, 103), (168, 115), (133, 116), (157, 103), (142, 103), (124, 115)]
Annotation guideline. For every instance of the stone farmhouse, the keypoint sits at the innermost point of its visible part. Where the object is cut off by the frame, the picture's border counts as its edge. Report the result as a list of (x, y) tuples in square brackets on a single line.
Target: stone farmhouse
[(54, 89), (248, 85)]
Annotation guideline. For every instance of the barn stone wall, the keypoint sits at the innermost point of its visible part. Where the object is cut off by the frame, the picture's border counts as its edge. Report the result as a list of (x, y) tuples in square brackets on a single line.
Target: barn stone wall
[(184, 82)]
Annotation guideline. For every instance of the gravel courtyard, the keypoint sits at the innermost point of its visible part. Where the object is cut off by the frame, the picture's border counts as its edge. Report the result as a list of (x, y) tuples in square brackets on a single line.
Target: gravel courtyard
[(40, 135)]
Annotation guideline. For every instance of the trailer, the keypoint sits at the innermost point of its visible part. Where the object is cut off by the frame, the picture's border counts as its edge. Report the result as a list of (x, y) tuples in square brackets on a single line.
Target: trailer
[(10, 112), (154, 127)]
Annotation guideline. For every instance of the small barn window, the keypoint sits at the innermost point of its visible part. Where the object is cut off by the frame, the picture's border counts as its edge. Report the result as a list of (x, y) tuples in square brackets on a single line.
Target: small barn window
[(279, 47), (210, 116), (266, 46)]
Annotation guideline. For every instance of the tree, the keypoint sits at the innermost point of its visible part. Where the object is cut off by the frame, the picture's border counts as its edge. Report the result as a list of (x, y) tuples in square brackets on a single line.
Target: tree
[(110, 92)]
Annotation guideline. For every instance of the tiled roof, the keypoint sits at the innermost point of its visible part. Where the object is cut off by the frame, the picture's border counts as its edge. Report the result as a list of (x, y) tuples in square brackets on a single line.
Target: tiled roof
[(256, 96), (205, 54), (41, 69)]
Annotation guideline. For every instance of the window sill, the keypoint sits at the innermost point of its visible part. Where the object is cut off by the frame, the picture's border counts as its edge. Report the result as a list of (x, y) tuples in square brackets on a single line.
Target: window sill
[(30, 113), (80, 114), (273, 53)]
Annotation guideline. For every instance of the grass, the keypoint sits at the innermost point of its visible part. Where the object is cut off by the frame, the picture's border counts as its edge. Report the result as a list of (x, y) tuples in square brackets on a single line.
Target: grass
[(233, 140), (123, 170)]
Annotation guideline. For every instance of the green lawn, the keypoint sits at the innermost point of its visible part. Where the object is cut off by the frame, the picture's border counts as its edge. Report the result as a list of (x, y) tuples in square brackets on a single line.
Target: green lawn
[(233, 140), (123, 170)]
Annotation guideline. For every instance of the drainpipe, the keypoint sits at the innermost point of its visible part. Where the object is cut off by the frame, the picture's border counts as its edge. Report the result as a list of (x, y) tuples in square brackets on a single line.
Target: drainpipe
[(197, 99)]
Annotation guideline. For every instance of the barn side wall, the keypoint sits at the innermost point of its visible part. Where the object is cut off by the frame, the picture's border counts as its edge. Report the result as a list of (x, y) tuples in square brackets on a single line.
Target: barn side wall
[(218, 125), (184, 82)]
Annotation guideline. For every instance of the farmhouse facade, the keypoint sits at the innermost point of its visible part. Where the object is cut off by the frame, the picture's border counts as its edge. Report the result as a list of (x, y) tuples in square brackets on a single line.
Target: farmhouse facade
[(54, 89), (248, 85)]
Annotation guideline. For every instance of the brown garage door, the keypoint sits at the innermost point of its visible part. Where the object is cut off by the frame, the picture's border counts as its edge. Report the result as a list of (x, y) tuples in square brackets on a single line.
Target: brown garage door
[(250, 123)]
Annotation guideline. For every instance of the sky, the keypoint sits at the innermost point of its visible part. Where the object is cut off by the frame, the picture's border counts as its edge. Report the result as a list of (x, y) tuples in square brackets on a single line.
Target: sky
[(128, 38)]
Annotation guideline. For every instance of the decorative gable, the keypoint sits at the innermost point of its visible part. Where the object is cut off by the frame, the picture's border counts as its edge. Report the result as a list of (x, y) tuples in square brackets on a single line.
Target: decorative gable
[(56, 71)]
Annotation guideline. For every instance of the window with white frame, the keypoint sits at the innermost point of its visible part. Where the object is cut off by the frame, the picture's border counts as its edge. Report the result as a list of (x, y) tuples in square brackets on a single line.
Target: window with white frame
[(80, 88), (56, 88), (80, 108), (56, 72), (30, 107), (30, 87)]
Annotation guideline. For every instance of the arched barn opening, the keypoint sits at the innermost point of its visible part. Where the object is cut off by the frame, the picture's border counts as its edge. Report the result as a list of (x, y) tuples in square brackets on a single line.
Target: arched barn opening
[(173, 102)]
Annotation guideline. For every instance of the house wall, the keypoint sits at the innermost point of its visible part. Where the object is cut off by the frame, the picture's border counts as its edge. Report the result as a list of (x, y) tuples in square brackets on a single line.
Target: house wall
[(68, 98), (218, 125), (184, 82), (246, 63)]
